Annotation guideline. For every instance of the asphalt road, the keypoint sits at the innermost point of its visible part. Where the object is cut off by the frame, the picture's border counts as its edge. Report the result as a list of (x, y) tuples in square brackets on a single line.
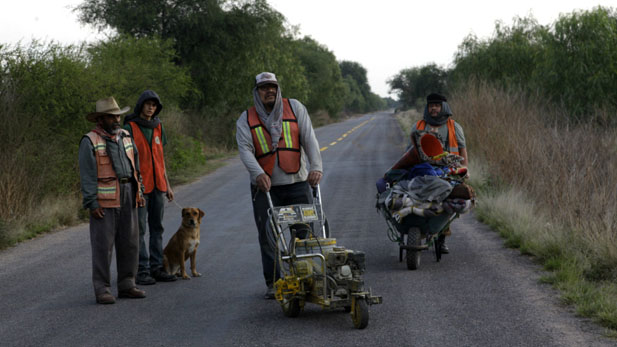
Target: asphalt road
[(480, 294)]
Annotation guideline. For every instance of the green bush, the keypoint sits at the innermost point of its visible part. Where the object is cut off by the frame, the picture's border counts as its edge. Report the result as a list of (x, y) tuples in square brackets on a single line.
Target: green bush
[(572, 62)]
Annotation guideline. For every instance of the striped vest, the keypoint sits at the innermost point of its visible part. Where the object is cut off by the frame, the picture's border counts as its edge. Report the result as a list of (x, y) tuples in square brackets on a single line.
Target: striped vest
[(288, 150), (108, 189)]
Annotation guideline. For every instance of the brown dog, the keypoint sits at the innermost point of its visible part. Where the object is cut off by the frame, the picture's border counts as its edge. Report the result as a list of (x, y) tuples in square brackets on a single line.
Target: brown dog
[(184, 244)]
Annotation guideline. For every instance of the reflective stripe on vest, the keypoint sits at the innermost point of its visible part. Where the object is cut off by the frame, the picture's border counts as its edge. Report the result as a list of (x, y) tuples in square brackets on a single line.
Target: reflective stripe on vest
[(452, 143), (288, 150), (108, 187), (151, 159)]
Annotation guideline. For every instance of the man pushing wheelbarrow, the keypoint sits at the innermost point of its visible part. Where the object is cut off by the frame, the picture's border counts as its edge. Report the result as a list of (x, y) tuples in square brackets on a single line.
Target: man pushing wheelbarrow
[(425, 190)]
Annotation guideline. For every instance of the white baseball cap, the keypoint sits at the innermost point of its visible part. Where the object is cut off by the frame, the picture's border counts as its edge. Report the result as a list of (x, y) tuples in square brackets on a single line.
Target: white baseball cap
[(266, 78)]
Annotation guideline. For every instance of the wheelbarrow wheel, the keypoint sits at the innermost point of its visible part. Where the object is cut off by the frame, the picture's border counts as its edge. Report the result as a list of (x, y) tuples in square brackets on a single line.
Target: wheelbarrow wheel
[(291, 308), (359, 314), (414, 238)]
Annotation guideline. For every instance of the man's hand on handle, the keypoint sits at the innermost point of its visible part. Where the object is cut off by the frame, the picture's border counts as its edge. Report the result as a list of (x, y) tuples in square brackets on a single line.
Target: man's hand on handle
[(314, 177), (263, 182)]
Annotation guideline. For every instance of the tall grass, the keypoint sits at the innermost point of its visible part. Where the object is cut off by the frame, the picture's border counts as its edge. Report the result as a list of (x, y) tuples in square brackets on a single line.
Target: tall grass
[(567, 169), (549, 186)]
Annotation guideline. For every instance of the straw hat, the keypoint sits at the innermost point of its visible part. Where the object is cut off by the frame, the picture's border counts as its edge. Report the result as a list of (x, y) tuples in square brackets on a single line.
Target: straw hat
[(106, 106)]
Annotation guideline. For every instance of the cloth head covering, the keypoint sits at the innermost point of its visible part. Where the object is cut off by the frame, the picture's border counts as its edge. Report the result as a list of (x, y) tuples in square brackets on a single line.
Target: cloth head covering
[(443, 115), (134, 117), (273, 121)]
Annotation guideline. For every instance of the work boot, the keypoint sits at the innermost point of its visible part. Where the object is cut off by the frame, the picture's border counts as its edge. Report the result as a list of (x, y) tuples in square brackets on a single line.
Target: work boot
[(144, 279), (105, 299), (269, 293), (133, 293), (162, 276)]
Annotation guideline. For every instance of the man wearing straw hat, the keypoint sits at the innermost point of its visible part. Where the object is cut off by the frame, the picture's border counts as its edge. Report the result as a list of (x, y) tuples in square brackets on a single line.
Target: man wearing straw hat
[(111, 188), (275, 138)]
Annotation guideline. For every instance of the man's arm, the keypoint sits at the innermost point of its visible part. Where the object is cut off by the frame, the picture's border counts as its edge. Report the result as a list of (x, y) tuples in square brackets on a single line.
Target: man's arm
[(170, 193), (462, 144), (308, 140), (246, 148), (88, 178)]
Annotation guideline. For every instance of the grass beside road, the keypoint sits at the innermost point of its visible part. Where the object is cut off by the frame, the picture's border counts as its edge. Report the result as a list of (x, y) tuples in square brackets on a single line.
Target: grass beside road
[(548, 187), (197, 146)]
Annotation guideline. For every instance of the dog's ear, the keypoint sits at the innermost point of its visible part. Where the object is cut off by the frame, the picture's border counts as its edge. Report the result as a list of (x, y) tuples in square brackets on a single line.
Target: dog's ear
[(201, 214)]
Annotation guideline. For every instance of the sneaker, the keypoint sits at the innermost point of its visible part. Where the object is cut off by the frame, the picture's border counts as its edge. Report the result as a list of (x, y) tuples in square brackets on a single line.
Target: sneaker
[(133, 293), (444, 249), (269, 293), (105, 299), (145, 279), (162, 276)]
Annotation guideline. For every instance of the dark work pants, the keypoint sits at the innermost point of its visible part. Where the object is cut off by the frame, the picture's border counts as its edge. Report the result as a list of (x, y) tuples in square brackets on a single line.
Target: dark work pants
[(151, 220), (296, 193), (118, 227)]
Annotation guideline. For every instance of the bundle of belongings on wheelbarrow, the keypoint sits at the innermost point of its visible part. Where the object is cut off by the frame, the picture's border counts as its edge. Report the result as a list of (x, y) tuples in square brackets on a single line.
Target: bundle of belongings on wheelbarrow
[(427, 181)]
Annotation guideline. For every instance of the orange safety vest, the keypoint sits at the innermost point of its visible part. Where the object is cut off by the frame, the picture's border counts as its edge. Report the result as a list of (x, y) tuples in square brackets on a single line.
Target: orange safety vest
[(288, 150), (108, 189), (452, 143), (151, 159)]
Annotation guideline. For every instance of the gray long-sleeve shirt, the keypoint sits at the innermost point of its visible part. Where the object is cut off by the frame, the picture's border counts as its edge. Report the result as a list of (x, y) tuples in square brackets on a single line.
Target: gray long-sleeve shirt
[(88, 169), (309, 149)]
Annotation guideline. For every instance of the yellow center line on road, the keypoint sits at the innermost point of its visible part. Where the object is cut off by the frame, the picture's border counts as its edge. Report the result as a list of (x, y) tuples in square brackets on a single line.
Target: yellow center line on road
[(347, 133)]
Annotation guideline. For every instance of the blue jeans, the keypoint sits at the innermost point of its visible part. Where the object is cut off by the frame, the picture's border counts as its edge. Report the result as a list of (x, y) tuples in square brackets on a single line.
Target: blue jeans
[(153, 214)]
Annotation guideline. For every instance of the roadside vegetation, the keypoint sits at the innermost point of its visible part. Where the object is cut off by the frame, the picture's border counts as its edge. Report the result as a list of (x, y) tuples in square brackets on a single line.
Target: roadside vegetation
[(200, 56), (538, 107)]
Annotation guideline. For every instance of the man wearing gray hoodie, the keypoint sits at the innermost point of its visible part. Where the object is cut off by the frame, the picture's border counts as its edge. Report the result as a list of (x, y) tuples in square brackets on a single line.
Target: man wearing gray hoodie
[(275, 138), (149, 136)]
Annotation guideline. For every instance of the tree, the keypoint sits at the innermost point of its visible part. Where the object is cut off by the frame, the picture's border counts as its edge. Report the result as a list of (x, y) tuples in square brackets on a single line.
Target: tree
[(413, 84), (325, 82), (224, 44), (579, 63), (360, 99)]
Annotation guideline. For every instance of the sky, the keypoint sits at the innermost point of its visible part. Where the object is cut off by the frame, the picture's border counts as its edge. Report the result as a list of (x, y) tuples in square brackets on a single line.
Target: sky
[(384, 36)]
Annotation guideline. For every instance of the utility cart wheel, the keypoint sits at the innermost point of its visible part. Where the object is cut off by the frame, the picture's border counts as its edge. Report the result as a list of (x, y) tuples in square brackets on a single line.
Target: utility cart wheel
[(291, 308), (327, 227), (414, 238), (359, 314)]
